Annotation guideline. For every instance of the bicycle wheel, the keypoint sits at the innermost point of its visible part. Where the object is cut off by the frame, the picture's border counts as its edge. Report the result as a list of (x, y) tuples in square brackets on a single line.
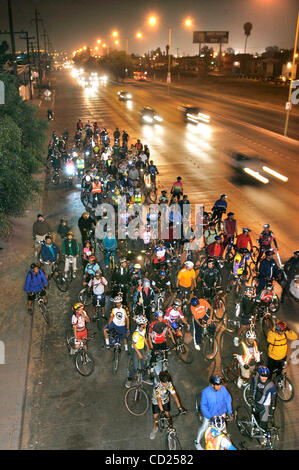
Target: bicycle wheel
[(44, 312), (185, 353), (69, 338), (210, 348), (285, 389), (116, 360), (153, 195), (254, 254), (229, 369), (84, 297), (267, 324), (274, 304), (231, 325), (246, 394), (219, 309), (172, 442), (243, 420), (136, 401), (61, 282), (254, 281), (84, 363)]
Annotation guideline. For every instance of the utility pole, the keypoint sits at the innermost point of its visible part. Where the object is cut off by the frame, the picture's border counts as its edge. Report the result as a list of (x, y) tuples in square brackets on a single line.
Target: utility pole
[(293, 77), (27, 37), (37, 19), (45, 42), (12, 38)]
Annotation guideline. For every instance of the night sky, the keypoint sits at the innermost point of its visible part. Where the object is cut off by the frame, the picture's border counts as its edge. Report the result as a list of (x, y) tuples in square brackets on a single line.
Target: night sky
[(75, 23)]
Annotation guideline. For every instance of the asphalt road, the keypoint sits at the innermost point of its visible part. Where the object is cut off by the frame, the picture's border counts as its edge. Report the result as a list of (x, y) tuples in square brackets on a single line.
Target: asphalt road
[(66, 411)]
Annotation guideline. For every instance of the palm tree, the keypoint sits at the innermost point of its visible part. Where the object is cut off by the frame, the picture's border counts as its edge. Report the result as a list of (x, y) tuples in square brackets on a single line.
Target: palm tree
[(247, 30)]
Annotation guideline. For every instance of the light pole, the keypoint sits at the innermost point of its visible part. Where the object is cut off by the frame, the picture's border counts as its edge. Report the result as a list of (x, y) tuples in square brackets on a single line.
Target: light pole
[(293, 76)]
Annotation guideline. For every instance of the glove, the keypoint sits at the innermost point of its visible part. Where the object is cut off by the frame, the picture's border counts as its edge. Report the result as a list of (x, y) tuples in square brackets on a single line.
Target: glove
[(182, 410), (163, 414), (230, 417)]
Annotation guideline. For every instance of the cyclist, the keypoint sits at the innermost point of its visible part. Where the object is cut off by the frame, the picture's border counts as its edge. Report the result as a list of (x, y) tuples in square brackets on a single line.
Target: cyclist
[(90, 269), (219, 207), (215, 401), (244, 239), (110, 246), (268, 270), (210, 233), (249, 357), (174, 316), (157, 336), (210, 275), (239, 262), (265, 241), (245, 310), (161, 399), (139, 342), (121, 277), (79, 319), (120, 321), (161, 254), (177, 189), (86, 224), (278, 346), (186, 278), (70, 249), (98, 284), (202, 313), (162, 283), (144, 296), (49, 254), (229, 228), (216, 437), (40, 228), (216, 249), (147, 236), (163, 199), (36, 281), (291, 269), (96, 189), (262, 397), (153, 171)]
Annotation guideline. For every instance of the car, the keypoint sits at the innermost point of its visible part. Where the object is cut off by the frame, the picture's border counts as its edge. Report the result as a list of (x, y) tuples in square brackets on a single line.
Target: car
[(149, 116), (124, 95), (194, 114), (255, 167), (241, 161)]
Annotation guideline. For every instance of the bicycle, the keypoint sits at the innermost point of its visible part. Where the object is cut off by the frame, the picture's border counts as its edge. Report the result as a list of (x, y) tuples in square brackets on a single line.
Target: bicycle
[(136, 398), (150, 193), (60, 280), (183, 350), (248, 426), (114, 341), (111, 259), (209, 344), (42, 307), (166, 427), (69, 275), (160, 362), (56, 176), (84, 361)]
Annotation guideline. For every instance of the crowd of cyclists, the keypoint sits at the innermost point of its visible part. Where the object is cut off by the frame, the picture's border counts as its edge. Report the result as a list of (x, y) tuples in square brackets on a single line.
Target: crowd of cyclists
[(152, 291)]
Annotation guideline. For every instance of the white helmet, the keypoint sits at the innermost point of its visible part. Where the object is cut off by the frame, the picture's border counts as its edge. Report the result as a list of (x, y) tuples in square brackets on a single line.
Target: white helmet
[(219, 423), (87, 178), (137, 266), (250, 334), (141, 320), (117, 299), (189, 264)]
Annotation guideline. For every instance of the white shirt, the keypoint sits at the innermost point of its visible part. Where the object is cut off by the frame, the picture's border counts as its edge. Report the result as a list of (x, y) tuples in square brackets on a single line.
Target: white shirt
[(98, 285), (119, 316)]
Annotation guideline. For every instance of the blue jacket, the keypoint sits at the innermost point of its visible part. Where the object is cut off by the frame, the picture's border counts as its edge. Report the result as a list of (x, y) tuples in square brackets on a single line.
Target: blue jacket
[(215, 403), (46, 253), (35, 282), (268, 269), (110, 244)]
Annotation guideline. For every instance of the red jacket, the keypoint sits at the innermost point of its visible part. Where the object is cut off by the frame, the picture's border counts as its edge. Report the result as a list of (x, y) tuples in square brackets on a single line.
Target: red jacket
[(213, 250), (242, 241)]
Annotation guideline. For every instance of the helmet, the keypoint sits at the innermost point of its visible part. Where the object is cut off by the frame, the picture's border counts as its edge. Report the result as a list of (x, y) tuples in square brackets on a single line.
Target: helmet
[(87, 178), (266, 225), (85, 214), (245, 230), (296, 252), (217, 237), (146, 283), (263, 371), (216, 380), (218, 423), (189, 264), (137, 266), (70, 233), (97, 177), (162, 273), (92, 258), (230, 213), (281, 326), (177, 302), (211, 260), (33, 265), (159, 313), (269, 252), (141, 320), (77, 306), (123, 260), (117, 299), (249, 291), (223, 195), (194, 301), (250, 334), (243, 251), (269, 286)]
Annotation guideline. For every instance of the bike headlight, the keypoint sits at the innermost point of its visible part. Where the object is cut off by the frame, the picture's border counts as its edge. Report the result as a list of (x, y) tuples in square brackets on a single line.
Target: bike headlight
[(70, 171), (87, 153)]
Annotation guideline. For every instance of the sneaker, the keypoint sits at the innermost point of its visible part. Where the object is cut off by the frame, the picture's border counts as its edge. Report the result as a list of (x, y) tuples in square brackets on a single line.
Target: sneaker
[(236, 341), (197, 347), (30, 311), (153, 433), (239, 382), (197, 445), (74, 274), (128, 383)]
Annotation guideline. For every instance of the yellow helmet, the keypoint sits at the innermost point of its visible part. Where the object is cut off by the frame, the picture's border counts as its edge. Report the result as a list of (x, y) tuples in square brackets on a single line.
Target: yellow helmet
[(85, 214), (70, 233), (78, 305)]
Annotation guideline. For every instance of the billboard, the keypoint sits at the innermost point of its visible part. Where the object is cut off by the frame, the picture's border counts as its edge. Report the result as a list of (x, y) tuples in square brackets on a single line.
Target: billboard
[(210, 37)]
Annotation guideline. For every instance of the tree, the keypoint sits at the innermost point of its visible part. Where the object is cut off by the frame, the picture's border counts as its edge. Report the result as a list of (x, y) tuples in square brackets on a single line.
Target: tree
[(247, 31), (230, 50), (22, 146), (207, 53)]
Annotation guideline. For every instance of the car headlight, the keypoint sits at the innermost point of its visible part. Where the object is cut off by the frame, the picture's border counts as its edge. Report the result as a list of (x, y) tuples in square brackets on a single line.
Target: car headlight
[(158, 118), (147, 119), (129, 96)]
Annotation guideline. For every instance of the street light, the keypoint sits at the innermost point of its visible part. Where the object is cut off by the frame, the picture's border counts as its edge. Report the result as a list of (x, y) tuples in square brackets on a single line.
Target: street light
[(115, 34)]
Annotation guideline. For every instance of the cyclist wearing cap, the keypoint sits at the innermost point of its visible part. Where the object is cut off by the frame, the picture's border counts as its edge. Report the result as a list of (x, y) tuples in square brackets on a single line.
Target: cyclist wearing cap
[(268, 271), (157, 335), (229, 228), (186, 278), (265, 241), (239, 262), (144, 295), (216, 249), (147, 236), (98, 285), (263, 397), (161, 399), (161, 253), (215, 401), (210, 234), (210, 274), (202, 318), (79, 320), (174, 316), (245, 310), (163, 199), (86, 224), (139, 342), (119, 321), (216, 437), (90, 269), (70, 249), (248, 358), (121, 277), (219, 207), (278, 345), (162, 283), (244, 239), (36, 281)]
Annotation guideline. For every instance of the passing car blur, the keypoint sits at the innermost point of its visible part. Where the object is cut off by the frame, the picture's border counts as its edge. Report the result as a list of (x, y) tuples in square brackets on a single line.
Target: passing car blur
[(194, 114), (124, 95), (149, 116)]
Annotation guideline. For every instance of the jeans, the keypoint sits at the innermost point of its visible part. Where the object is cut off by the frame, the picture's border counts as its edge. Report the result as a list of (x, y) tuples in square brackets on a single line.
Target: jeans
[(199, 329), (201, 431), (136, 363), (107, 257)]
